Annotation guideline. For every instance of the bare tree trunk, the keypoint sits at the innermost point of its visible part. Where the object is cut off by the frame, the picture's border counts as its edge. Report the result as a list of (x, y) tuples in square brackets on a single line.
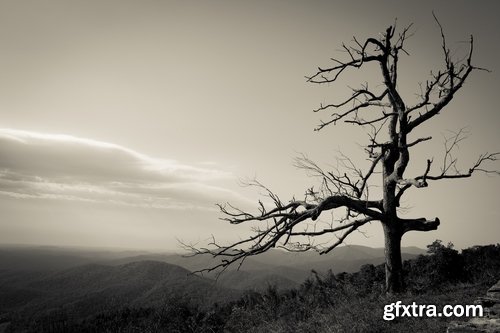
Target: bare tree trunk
[(394, 280)]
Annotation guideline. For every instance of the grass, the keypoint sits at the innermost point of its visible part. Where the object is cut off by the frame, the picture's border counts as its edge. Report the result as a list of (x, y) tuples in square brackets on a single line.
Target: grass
[(350, 314)]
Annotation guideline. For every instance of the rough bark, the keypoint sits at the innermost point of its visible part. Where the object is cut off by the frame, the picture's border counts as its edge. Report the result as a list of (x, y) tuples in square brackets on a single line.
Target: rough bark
[(394, 279)]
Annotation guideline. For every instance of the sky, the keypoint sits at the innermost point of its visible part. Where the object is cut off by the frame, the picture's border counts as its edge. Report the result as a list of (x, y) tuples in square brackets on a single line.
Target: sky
[(123, 123)]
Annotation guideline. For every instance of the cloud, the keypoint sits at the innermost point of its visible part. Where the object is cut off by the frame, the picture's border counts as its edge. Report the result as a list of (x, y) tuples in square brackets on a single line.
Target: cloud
[(63, 167)]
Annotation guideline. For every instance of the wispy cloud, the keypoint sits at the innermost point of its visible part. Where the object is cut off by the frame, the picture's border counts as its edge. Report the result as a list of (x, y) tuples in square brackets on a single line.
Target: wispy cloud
[(63, 167)]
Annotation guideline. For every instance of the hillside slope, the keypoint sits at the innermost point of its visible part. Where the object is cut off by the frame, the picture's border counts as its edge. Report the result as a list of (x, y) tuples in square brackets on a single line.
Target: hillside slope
[(88, 289)]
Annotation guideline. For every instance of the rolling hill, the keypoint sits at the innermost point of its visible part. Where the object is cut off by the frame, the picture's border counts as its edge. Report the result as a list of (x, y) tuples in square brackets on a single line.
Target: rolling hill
[(28, 263), (294, 266), (90, 288), (36, 282)]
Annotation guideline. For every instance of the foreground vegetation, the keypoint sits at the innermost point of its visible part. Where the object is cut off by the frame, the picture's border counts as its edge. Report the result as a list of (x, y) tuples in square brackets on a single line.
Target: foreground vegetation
[(324, 303)]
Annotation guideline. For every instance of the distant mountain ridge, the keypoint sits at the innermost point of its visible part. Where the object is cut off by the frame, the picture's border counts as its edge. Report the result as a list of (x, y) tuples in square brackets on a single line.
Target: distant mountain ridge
[(346, 258), (36, 281), (294, 266), (277, 267)]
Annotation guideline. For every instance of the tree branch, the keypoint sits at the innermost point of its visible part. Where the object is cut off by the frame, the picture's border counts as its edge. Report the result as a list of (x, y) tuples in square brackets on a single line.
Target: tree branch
[(445, 84), (421, 181), (421, 224)]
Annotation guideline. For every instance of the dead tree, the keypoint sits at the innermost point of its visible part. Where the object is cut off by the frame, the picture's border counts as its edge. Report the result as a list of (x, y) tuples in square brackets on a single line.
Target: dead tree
[(391, 125)]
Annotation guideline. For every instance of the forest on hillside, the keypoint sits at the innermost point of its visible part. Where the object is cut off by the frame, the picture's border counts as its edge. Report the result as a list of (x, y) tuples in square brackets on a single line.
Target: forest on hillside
[(341, 302)]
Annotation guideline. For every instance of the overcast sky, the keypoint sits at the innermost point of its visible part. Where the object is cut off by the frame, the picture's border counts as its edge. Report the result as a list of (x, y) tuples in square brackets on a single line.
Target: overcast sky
[(122, 123)]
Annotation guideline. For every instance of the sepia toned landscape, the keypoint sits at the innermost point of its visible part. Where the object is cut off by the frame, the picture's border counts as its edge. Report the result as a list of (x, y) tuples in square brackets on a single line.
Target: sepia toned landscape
[(237, 166)]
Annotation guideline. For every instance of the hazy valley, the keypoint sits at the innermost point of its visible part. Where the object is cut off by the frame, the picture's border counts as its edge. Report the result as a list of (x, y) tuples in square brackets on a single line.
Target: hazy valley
[(36, 280), (51, 289)]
